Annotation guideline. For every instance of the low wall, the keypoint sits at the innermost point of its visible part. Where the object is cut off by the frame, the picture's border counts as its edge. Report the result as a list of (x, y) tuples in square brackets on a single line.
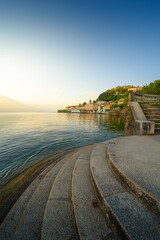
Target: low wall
[(138, 97)]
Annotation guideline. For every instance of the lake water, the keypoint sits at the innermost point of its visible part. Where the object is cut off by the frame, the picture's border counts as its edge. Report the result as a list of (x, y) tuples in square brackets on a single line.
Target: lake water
[(30, 137)]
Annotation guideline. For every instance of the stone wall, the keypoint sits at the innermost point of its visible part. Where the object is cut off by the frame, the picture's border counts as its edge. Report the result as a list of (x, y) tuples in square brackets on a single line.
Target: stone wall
[(135, 124), (139, 97)]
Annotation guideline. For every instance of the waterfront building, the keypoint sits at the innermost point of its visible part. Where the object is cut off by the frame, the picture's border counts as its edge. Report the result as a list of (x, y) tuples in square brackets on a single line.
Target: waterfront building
[(120, 101), (91, 107)]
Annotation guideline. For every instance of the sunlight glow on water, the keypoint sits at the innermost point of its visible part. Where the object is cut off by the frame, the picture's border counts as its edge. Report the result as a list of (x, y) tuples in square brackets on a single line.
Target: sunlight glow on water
[(26, 137)]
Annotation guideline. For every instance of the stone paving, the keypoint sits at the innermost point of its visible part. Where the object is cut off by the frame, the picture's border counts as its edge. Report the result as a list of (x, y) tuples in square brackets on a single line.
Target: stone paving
[(139, 158), (97, 192)]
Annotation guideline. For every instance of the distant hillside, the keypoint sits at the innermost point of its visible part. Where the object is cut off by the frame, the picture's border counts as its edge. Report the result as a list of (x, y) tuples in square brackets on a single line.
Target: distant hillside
[(10, 105), (114, 94)]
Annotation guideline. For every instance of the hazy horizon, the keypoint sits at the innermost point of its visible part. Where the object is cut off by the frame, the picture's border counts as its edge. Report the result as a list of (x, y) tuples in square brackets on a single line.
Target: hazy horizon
[(58, 53), (11, 105)]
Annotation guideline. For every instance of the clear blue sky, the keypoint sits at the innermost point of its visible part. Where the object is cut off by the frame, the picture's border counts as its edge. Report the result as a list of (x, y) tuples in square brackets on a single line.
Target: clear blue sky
[(63, 52)]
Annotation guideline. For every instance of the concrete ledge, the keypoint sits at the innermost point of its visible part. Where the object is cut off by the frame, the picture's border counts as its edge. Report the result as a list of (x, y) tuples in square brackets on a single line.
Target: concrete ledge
[(125, 213), (90, 220), (151, 202), (100, 175)]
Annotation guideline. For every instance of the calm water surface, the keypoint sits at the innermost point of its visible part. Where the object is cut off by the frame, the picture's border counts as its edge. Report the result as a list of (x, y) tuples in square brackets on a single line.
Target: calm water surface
[(30, 137)]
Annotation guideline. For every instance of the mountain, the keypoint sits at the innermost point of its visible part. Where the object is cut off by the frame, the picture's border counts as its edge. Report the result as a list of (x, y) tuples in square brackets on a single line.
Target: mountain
[(10, 105)]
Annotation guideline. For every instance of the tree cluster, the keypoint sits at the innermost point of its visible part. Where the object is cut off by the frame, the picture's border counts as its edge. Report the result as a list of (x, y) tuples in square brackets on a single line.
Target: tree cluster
[(152, 88), (114, 93)]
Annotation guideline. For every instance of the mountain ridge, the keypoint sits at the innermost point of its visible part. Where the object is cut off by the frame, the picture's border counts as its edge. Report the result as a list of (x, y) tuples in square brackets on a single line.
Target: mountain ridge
[(10, 105)]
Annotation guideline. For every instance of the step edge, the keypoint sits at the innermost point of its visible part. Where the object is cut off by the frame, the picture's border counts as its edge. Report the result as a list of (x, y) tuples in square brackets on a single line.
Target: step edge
[(43, 222), (80, 237), (145, 198), (114, 223), (46, 170), (36, 174), (73, 205), (54, 165)]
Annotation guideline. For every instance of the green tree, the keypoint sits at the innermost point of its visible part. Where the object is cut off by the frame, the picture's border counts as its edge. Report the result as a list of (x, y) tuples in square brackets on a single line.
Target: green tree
[(115, 105), (121, 105), (152, 88)]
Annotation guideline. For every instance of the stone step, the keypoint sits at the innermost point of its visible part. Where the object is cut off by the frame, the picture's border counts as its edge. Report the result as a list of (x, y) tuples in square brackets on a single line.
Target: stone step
[(151, 109), (8, 226), (138, 169), (126, 214), (153, 117), (58, 222), (30, 223), (152, 113), (155, 120), (150, 105), (90, 220), (157, 130), (149, 118)]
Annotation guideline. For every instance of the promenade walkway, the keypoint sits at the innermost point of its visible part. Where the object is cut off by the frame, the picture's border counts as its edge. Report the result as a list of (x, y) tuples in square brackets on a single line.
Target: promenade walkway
[(109, 190)]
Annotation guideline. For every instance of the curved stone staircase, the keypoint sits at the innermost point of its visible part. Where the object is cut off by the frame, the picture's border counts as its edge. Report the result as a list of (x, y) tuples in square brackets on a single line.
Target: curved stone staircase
[(152, 113), (91, 193)]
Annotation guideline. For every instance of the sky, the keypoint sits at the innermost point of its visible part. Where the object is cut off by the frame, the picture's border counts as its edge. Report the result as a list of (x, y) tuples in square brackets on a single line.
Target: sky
[(59, 53)]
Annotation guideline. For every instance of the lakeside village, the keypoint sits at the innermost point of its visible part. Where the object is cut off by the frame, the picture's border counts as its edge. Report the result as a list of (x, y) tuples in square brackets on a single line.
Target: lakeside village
[(96, 107), (102, 106)]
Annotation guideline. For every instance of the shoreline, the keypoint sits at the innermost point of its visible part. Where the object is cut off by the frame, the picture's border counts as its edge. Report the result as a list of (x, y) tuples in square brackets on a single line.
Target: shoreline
[(14, 188)]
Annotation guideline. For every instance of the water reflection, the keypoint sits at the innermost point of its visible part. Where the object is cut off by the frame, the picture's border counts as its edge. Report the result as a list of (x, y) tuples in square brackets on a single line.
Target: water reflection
[(32, 121), (113, 120), (29, 137)]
